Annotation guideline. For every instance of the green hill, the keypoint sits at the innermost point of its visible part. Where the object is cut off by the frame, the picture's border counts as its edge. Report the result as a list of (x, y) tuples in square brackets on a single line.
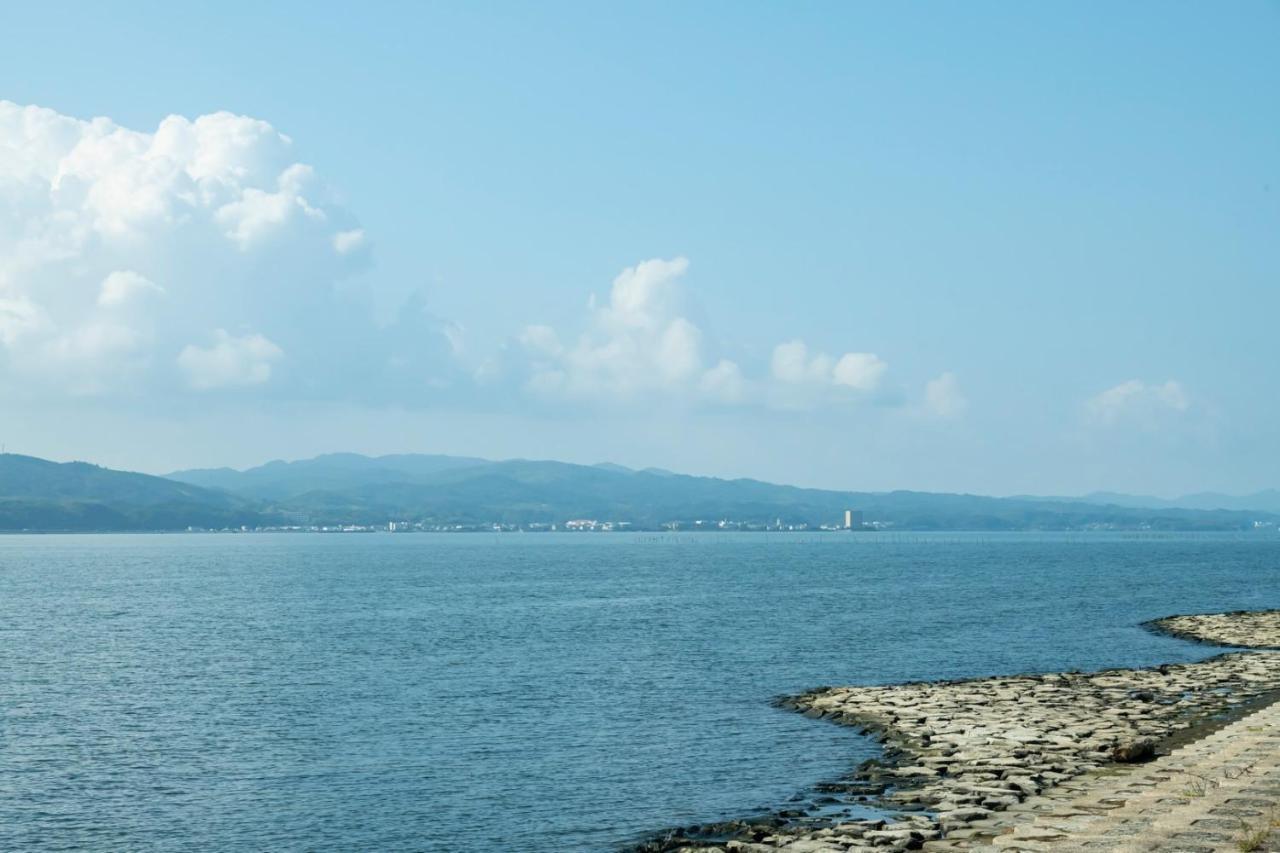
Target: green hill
[(332, 471), (39, 495), (345, 488)]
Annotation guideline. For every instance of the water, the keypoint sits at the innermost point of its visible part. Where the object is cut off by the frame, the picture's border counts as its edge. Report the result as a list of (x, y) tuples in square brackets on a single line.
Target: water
[(516, 692)]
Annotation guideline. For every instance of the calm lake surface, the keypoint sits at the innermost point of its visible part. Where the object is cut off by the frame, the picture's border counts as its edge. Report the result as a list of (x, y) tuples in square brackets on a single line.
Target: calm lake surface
[(517, 692)]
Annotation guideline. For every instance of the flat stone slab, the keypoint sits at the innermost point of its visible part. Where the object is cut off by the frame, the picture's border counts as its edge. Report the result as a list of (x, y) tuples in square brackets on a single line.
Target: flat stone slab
[(1198, 804)]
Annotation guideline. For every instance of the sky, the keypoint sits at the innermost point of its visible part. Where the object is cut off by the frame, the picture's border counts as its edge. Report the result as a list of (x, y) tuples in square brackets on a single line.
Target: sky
[(1000, 248)]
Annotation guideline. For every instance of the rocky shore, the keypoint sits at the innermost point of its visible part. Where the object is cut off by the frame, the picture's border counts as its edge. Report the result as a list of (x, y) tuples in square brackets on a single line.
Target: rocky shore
[(1258, 629), (963, 757)]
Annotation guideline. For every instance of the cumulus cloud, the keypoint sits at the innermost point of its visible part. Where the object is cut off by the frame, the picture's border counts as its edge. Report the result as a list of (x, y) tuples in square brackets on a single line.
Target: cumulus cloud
[(259, 214), (861, 371), (125, 254), (639, 341), (1138, 402), (125, 286), (203, 255), (642, 341), (793, 364), (230, 361), (724, 383), (943, 397)]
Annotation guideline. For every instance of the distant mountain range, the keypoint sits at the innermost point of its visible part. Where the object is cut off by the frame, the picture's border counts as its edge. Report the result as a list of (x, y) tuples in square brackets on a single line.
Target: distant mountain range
[(349, 489), (333, 472), (36, 494), (1267, 500)]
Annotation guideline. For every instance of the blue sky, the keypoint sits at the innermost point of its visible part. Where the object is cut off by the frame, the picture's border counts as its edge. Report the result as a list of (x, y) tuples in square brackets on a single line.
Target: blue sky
[(1025, 247)]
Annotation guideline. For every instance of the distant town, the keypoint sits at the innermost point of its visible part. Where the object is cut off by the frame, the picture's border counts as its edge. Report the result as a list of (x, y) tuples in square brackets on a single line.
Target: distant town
[(852, 521), (587, 525), (348, 493)]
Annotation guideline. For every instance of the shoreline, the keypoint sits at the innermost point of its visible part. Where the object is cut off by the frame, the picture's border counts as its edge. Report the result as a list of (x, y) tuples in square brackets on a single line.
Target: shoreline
[(1255, 630), (962, 757)]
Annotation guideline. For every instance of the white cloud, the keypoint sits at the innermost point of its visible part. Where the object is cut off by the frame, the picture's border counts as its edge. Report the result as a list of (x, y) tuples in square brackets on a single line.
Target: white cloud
[(791, 363), (230, 361), (860, 371), (119, 248), (19, 318), (678, 356), (802, 379), (125, 286), (346, 242), (96, 342), (646, 296), (724, 383), (643, 342), (943, 397), (94, 358), (639, 342), (258, 214), (86, 358), (542, 340), (1137, 401), (126, 255)]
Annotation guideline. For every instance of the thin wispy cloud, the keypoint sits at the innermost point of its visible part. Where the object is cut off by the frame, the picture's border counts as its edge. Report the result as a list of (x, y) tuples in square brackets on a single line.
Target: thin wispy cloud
[(943, 397), (1135, 401)]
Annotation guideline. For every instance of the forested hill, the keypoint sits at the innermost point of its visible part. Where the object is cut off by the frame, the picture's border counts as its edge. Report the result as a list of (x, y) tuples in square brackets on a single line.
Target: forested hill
[(39, 495), (348, 489)]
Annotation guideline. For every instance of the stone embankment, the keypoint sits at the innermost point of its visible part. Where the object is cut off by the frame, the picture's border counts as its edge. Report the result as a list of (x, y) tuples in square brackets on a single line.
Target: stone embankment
[(1258, 629), (967, 762), (1221, 793)]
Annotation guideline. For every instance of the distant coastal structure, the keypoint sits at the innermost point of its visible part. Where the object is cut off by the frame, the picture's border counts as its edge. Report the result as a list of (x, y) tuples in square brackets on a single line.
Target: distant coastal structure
[(853, 519)]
